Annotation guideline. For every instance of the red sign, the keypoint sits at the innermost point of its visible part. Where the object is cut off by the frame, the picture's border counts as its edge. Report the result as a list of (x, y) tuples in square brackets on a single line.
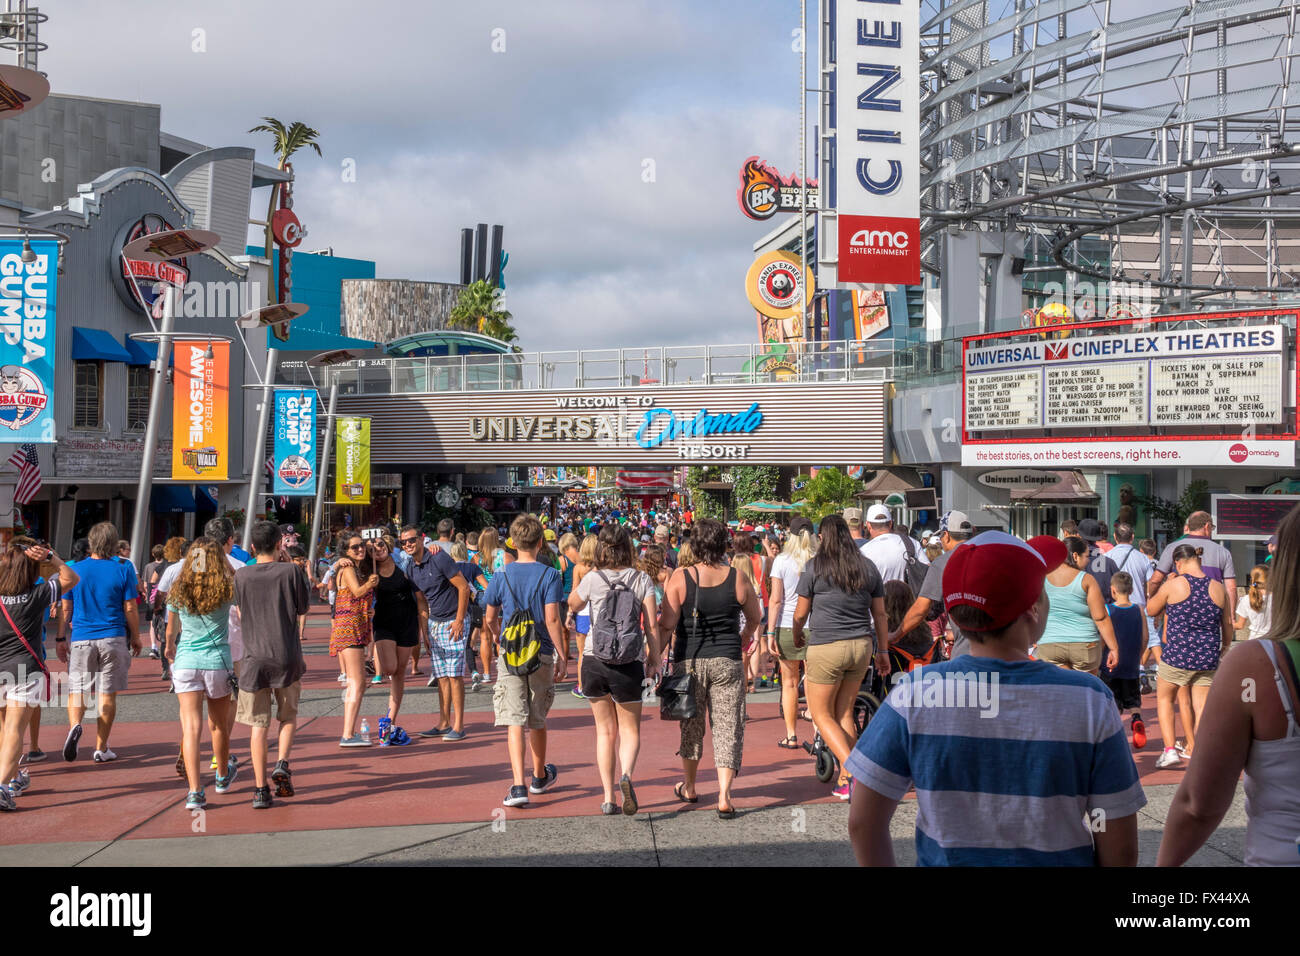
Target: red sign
[(286, 228), (880, 249)]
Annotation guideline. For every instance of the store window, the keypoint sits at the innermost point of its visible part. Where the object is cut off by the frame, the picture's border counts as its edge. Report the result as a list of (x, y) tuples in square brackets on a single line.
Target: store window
[(139, 379), (88, 394)]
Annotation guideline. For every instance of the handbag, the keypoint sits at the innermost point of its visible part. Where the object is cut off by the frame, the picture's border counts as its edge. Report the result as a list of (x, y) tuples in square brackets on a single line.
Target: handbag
[(676, 692)]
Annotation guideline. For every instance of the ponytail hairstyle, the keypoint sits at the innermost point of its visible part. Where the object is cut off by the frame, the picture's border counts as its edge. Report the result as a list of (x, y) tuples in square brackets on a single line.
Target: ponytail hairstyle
[(1258, 587)]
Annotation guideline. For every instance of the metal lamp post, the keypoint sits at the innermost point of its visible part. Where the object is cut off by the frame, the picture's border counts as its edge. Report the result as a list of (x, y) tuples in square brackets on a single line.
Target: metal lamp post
[(325, 360)]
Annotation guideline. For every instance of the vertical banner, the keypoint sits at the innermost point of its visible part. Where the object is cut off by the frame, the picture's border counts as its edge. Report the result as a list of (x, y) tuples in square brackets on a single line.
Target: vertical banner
[(352, 462), (200, 411), (295, 442), (592, 479), (27, 304), (877, 140)]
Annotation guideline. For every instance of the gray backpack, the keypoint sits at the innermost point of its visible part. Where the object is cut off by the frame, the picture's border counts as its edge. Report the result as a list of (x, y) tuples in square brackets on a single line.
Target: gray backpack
[(616, 635)]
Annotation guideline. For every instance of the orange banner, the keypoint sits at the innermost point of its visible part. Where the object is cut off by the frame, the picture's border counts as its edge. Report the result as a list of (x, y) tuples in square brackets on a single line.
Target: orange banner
[(201, 411)]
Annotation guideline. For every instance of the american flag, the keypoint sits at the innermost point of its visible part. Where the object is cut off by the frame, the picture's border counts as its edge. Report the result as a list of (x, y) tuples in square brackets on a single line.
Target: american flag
[(270, 473), (29, 473)]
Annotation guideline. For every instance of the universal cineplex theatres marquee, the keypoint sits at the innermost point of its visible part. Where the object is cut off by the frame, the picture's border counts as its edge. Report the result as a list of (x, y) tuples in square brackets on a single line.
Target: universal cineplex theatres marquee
[(1203, 389), (757, 424)]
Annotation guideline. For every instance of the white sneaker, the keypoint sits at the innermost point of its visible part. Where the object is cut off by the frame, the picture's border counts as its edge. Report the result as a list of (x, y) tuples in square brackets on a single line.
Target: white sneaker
[(1169, 758), (20, 783), (343, 678), (1182, 751), (104, 756)]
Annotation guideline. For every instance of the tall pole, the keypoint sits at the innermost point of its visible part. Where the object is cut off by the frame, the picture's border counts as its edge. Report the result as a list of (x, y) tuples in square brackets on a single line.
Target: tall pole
[(324, 473), (803, 171), (259, 445), (144, 488)]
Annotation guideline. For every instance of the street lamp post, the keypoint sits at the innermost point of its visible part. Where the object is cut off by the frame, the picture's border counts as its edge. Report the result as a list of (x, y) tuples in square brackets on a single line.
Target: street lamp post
[(325, 360)]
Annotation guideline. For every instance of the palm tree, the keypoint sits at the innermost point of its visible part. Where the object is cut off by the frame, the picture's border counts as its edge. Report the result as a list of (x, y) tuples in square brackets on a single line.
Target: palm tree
[(478, 309), (288, 140)]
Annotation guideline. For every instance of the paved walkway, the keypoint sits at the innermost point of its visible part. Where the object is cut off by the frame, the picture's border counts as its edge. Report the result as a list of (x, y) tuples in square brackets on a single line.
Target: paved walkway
[(441, 802)]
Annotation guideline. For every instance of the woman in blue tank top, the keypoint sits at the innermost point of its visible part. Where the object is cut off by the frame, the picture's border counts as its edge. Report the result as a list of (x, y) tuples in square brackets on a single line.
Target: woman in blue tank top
[(1197, 631), (1077, 623)]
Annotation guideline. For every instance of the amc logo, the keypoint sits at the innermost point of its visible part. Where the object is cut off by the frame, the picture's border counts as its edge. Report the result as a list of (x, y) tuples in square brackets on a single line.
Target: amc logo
[(1238, 453), (879, 238)]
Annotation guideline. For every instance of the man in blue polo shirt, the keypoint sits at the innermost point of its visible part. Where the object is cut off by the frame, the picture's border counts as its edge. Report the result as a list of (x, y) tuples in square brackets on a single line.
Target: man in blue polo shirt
[(448, 593), (1016, 762)]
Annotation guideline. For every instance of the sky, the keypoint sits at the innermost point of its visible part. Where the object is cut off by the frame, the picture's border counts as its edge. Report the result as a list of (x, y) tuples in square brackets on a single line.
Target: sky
[(607, 137)]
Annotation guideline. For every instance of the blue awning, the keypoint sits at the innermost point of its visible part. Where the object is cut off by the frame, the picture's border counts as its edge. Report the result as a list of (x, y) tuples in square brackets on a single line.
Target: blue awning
[(96, 345), (143, 353), (171, 498), (208, 502)]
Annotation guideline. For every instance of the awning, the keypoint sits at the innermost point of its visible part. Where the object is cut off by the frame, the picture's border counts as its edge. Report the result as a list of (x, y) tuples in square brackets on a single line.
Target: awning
[(96, 345), (171, 499), (205, 500), (1070, 488), (143, 353), (890, 480)]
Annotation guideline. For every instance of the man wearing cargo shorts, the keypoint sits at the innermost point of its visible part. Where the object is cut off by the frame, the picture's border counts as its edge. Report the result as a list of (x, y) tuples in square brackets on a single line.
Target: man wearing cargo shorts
[(272, 599), (105, 636)]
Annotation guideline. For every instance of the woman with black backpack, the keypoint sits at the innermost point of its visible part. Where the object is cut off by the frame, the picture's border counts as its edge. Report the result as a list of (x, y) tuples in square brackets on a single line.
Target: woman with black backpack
[(619, 651)]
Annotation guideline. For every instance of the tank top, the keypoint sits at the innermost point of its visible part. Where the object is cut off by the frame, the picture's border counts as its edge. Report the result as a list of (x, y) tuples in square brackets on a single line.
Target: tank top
[(1193, 629), (709, 625), (1272, 785), (1068, 619), (395, 609)]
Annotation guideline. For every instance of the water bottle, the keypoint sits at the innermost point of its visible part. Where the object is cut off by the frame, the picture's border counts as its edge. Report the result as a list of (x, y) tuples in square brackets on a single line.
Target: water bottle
[(365, 728)]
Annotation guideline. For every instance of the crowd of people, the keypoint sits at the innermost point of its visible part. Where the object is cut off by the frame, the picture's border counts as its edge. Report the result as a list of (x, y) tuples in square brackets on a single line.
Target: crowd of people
[(1056, 639)]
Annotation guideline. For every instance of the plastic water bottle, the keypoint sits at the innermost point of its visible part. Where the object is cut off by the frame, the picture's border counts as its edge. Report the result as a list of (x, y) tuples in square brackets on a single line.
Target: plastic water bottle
[(365, 728)]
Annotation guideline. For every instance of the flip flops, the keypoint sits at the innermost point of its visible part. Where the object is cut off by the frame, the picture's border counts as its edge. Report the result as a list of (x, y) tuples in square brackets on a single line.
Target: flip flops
[(679, 793), (788, 743)]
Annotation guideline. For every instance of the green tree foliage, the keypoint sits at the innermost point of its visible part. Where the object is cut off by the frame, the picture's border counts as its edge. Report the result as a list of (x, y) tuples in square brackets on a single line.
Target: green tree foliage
[(478, 309), (1174, 514), (706, 504), (753, 483), (830, 492)]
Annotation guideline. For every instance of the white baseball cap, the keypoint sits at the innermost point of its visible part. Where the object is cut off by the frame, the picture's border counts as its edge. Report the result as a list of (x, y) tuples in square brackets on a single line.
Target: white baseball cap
[(879, 514)]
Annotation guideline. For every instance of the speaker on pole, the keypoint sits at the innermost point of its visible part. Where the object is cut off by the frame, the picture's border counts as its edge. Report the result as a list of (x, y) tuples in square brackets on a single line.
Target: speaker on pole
[(480, 251), (466, 256), (494, 259)]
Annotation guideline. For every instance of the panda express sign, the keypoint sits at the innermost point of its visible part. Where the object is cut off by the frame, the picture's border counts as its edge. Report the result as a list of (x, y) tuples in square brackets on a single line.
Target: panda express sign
[(755, 424)]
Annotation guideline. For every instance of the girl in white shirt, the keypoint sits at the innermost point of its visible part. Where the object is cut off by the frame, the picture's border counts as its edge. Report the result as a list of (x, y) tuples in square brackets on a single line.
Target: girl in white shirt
[(1255, 609)]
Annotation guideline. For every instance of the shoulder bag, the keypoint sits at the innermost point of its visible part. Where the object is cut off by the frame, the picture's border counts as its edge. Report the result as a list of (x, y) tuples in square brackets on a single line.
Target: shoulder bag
[(676, 692)]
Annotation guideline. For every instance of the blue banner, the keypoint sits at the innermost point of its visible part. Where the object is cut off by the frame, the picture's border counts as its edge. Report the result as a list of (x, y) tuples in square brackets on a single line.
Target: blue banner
[(27, 330), (295, 441)]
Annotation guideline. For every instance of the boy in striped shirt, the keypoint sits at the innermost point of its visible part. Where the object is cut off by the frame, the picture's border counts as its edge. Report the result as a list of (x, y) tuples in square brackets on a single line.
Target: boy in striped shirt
[(1016, 762)]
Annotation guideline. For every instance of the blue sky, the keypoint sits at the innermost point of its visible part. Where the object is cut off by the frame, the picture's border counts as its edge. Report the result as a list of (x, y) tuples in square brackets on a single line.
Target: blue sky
[(549, 137)]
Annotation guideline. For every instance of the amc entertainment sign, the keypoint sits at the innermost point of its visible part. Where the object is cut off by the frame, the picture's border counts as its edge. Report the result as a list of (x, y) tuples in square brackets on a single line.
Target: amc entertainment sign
[(761, 424)]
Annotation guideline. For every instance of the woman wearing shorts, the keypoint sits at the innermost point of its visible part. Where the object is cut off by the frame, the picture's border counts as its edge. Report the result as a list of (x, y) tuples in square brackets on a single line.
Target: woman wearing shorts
[(581, 623), (1197, 632), (490, 559), (27, 599), (350, 631), (400, 612), (786, 570), (842, 591), (478, 583), (198, 646), (1078, 628), (615, 690)]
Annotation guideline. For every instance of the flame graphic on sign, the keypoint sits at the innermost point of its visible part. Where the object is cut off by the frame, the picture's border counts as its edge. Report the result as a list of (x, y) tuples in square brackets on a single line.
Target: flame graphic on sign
[(759, 184)]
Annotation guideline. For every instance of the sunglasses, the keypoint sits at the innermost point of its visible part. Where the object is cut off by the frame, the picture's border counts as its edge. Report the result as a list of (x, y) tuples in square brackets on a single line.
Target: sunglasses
[(406, 541), (356, 547)]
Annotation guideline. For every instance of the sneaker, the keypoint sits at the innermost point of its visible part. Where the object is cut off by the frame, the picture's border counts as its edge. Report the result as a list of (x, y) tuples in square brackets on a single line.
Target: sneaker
[(282, 777), (232, 770), (399, 738), (577, 692), (196, 800), (104, 756), (343, 678), (1139, 733), (261, 798), (475, 682), (457, 735), (356, 740), (20, 783), (377, 679), (542, 784), (7, 799), (433, 682), (435, 732), (70, 745), (1169, 758), (517, 797), (845, 790), (36, 756), (1182, 751), (153, 654)]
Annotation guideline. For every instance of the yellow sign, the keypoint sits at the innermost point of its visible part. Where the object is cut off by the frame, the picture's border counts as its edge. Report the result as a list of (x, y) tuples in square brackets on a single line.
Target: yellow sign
[(777, 287), (352, 462)]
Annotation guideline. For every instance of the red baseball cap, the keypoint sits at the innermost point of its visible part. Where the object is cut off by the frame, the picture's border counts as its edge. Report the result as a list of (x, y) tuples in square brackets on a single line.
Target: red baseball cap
[(1000, 574)]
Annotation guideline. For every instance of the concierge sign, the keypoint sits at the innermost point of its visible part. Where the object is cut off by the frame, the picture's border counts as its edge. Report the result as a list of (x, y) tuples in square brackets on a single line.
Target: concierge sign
[(754, 424), (1216, 391)]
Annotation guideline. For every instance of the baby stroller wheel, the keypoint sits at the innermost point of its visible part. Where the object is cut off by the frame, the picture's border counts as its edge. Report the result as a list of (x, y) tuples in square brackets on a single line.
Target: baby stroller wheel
[(864, 708), (826, 767)]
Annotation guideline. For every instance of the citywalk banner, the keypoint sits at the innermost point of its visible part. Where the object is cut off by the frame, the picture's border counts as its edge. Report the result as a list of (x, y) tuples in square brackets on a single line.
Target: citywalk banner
[(877, 141), (28, 294), (201, 411), (352, 462), (295, 442)]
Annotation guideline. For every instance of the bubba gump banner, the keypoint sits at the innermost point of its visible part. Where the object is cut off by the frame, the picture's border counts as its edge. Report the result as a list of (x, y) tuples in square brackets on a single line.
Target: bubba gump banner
[(201, 411), (352, 462)]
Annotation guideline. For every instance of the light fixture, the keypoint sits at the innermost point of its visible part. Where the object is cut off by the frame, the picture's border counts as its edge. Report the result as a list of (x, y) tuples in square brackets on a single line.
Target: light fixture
[(1217, 188), (29, 254), (1168, 198), (208, 353), (1274, 179)]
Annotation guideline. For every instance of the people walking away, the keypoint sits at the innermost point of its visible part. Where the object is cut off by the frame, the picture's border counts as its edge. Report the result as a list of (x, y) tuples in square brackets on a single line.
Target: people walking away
[(621, 650), (1216, 560), (146, 575), (25, 602), (955, 528), (198, 646), (1099, 566), (785, 573), (1129, 558), (853, 518), (523, 608), (1078, 634), (842, 599), (446, 528), (1256, 734), (896, 556), (1127, 621), (447, 595), (981, 768), (581, 624), (1255, 609), (1198, 630), (663, 539), (156, 585), (703, 607), (105, 636), (272, 598)]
